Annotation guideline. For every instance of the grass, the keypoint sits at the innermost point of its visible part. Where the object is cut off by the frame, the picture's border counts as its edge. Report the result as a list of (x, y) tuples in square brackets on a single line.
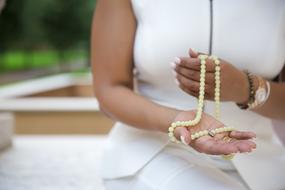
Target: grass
[(21, 60)]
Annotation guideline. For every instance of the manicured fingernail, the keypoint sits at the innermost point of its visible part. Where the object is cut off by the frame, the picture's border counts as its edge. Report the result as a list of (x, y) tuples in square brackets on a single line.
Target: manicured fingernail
[(172, 65), (177, 60), (182, 138), (176, 81), (193, 51)]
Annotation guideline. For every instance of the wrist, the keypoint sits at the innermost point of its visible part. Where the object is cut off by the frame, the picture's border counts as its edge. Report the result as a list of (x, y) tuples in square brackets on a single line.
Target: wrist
[(169, 117), (248, 89), (258, 92), (244, 94)]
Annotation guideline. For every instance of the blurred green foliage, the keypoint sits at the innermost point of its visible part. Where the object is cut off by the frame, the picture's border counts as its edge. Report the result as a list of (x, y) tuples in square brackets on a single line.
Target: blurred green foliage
[(45, 32), (20, 60)]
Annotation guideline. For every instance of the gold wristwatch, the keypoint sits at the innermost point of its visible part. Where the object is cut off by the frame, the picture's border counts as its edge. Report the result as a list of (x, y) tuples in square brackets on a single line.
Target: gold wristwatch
[(260, 94), (257, 96)]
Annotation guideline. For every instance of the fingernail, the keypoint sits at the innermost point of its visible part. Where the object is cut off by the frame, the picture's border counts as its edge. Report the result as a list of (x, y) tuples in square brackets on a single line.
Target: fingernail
[(172, 65), (177, 60), (182, 138), (177, 82), (193, 51), (174, 73)]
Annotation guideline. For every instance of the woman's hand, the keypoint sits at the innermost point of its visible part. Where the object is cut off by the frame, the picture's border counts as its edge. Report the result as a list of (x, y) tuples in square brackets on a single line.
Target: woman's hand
[(241, 141), (234, 84)]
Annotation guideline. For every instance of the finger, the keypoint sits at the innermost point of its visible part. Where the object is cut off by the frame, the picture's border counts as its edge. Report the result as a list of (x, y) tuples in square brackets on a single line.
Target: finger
[(242, 135), (210, 66), (195, 93), (193, 53), (188, 73), (213, 147), (244, 145), (190, 63), (192, 85), (190, 92), (194, 64), (195, 75), (183, 134), (188, 83)]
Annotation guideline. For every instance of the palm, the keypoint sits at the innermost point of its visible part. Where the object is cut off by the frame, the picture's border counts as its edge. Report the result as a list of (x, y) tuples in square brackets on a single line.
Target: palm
[(216, 145)]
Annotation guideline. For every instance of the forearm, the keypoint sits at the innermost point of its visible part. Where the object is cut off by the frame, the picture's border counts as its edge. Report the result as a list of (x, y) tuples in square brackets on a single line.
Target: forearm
[(122, 104), (274, 107)]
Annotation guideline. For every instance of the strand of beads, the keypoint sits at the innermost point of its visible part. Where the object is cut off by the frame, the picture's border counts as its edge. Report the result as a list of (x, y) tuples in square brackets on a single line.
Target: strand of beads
[(199, 112), (200, 107), (211, 132), (217, 86)]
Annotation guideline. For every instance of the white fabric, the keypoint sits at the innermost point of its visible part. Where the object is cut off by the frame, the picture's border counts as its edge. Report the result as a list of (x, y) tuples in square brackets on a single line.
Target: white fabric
[(250, 34), (179, 170)]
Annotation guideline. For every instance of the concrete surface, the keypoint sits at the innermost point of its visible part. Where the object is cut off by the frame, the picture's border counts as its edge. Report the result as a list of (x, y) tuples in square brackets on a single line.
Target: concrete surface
[(52, 163)]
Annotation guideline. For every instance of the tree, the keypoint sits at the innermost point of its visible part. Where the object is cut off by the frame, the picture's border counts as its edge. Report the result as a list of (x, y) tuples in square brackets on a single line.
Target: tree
[(10, 25)]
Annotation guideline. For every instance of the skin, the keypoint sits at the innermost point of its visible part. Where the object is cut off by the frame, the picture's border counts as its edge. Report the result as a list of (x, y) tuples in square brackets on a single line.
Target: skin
[(234, 85), (113, 34)]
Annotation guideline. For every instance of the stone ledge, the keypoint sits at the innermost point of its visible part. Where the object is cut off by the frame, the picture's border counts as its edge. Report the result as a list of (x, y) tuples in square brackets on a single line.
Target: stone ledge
[(49, 104), (6, 130)]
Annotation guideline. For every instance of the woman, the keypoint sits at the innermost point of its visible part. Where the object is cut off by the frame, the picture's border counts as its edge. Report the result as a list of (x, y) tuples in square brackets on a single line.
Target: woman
[(133, 43)]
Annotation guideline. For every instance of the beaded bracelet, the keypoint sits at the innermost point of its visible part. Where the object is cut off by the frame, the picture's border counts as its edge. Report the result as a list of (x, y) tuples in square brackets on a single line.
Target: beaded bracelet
[(251, 91)]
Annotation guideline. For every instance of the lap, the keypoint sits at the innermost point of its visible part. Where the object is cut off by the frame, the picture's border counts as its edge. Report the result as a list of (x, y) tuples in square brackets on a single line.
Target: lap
[(175, 169)]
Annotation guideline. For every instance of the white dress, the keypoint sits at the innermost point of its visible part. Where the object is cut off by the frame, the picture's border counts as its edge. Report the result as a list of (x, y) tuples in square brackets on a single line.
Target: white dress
[(250, 34)]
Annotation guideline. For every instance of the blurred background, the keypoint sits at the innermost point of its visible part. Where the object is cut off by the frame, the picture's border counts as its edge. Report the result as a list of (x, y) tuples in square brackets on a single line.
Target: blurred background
[(51, 130), (40, 38)]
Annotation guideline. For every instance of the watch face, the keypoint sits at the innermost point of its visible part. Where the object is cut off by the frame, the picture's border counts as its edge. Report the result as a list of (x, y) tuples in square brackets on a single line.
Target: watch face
[(260, 95)]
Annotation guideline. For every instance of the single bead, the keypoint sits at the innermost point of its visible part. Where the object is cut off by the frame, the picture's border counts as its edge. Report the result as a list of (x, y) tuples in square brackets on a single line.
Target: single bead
[(217, 78), (217, 68), (171, 129), (217, 62), (173, 139)]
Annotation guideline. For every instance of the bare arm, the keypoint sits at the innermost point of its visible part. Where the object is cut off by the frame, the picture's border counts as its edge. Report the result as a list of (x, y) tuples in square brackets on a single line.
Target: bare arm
[(274, 107), (113, 34)]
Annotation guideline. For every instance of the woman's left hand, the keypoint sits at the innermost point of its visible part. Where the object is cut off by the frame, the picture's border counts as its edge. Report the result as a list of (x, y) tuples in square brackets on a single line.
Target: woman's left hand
[(234, 84)]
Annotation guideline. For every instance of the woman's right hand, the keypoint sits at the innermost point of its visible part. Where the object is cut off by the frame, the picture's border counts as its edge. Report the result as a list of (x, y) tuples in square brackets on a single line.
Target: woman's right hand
[(241, 141)]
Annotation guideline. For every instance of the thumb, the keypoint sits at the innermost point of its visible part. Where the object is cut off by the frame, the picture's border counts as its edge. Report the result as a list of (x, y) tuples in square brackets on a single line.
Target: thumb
[(193, 53), (183, 134)]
